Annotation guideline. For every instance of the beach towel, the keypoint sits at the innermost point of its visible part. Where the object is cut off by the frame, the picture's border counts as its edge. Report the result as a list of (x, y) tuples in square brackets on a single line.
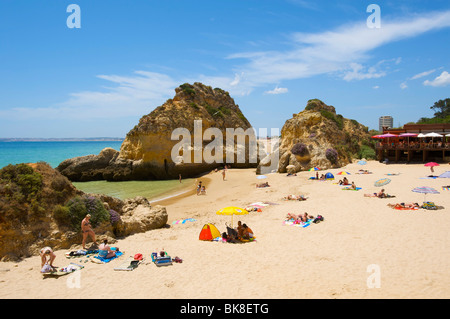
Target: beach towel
[(445, 188), (351, 189), (72, 267), (129, 264), (80, 253), (102, 260), (297, 224), (183, 221)]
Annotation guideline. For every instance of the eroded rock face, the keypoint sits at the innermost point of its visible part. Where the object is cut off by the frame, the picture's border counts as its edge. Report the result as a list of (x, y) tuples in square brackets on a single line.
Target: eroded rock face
[(28, 223), (314, 131), (153, 150)]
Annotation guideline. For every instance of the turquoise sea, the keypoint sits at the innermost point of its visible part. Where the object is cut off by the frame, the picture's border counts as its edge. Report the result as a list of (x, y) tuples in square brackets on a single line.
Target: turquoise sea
[(54, 152)]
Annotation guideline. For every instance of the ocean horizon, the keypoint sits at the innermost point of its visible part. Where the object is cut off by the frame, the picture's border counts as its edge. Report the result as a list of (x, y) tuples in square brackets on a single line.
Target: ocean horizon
[(55, 151)]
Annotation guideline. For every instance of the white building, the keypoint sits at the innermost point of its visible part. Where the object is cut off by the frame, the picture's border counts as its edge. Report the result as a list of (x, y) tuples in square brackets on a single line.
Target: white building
[(386, 122)]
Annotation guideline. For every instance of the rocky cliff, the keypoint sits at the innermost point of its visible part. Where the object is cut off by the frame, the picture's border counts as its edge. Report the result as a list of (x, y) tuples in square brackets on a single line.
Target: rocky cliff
[(166, 142), (318, 137), (40, 207)]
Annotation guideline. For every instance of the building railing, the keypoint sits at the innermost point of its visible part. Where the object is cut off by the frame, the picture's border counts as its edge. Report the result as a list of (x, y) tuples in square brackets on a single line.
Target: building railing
[(413, 146)]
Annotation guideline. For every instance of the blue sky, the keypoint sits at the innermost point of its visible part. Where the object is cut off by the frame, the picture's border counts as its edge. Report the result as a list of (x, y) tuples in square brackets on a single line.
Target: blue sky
[(272, 56)]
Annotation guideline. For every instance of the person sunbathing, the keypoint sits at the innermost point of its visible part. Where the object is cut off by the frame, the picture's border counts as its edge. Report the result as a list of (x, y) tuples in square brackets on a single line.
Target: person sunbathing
[(295, 197), (262, 185), (344, 181)]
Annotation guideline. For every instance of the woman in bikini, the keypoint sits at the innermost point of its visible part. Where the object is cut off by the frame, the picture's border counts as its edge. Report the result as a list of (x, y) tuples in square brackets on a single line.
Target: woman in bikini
[(87, 230)]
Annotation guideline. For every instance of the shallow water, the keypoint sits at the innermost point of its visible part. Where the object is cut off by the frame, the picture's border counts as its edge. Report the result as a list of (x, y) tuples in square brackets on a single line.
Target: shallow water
[(152, 190)]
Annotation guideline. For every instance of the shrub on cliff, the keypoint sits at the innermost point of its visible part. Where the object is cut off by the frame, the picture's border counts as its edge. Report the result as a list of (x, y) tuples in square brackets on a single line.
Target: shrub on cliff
[(299, 149), (331, 154), (74, 211)]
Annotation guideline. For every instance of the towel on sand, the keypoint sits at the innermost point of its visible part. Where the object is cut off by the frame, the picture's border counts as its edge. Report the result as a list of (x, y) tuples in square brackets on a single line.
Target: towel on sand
[(107, 260)]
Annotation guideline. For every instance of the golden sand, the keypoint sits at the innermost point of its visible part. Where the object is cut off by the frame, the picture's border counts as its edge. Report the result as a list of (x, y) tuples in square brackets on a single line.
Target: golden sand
[(363, 248)]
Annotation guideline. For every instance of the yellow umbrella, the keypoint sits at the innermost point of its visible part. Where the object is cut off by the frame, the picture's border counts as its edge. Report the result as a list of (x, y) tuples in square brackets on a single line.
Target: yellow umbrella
[(232, 210)]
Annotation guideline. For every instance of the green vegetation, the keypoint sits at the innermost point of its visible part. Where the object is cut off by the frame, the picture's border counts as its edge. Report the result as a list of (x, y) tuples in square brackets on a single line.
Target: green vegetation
[(188, 89), (338, 119), (441, 110), (194, 105), (313, 104), (74, 211), (20, 193), (366, 152)]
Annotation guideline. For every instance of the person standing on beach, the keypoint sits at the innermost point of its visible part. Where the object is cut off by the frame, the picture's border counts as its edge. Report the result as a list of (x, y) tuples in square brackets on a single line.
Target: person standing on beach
[(179, 177), (87, 230), (223, 174), (47, 252)]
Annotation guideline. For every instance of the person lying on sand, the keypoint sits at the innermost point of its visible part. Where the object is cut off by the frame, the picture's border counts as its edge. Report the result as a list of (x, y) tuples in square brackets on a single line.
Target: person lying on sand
[(381, 194), (295, 197), (404, 205), (262, 185)]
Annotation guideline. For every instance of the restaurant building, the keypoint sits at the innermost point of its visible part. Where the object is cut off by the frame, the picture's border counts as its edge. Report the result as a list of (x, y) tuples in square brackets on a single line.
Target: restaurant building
[(415, 142)]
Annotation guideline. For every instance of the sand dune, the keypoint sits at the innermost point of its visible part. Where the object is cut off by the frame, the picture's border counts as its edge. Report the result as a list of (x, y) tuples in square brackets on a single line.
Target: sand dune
[(337, 258)]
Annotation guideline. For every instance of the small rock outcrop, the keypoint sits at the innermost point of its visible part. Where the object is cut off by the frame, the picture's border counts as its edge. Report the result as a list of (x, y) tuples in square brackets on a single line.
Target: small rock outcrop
[(34, 212), (154, 150), (318, 137)]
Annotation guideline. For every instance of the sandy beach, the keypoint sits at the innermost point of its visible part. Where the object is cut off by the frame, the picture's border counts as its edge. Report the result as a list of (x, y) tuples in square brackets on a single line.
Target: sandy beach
[(360, 239)]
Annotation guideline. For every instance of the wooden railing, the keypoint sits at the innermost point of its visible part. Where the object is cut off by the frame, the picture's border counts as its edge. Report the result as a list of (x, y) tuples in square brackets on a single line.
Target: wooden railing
[(414, 147)]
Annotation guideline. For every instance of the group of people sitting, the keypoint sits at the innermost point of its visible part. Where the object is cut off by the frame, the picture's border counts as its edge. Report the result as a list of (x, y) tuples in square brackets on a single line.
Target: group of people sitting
[(364, 171), (295, 197), (344, 181), (262, 185), (241, 233)]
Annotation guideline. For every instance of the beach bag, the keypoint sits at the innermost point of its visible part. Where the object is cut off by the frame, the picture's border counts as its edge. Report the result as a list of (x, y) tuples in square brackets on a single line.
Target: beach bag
[(318, 219)]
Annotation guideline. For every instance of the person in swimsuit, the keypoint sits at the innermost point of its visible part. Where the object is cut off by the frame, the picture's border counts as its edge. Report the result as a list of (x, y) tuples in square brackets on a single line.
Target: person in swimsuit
[(47, 252), (87, 230), (105, 251)]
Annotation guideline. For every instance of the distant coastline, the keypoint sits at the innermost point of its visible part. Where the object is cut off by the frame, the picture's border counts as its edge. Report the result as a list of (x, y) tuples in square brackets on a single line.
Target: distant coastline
[(69, 139)]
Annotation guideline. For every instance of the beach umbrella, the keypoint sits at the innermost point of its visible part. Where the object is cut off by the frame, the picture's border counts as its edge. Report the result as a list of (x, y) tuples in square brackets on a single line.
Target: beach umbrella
[(382, 182), (387, 135), (433, 134), (343, 173), (377, 136), (431, 165), (232, 210), (314, 169), (425, 190), (445, 175), (261, 176), (421, 135), (408, 135), (362, 162)]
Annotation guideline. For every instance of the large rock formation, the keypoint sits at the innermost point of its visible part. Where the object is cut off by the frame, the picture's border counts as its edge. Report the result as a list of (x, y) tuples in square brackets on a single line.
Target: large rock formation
[(166, 142), (33, 212), (318, 137)]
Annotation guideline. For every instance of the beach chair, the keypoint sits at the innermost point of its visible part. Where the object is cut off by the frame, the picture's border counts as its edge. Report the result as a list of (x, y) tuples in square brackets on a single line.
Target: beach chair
[(161, 260)]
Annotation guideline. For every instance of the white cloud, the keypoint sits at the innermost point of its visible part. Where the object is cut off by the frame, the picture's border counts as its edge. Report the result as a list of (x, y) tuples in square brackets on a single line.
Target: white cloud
[(441, 80), (358, 73), (376, 87), (403, 86), (277, 90), (421, 75), (133, 95), (341, 51)]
